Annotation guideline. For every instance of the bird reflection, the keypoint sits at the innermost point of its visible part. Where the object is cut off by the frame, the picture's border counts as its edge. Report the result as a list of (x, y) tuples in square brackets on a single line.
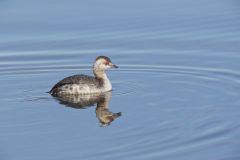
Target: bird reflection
[(103, 114)]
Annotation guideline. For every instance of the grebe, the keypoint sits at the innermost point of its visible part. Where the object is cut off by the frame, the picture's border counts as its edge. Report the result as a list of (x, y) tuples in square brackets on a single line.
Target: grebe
[(83, 84)]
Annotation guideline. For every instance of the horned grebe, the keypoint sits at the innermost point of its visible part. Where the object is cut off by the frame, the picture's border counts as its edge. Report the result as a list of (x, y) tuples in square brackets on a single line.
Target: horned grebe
[(83, 84)]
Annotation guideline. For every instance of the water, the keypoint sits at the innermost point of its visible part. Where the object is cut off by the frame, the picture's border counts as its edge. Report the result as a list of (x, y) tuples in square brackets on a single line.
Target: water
[(177, 87)]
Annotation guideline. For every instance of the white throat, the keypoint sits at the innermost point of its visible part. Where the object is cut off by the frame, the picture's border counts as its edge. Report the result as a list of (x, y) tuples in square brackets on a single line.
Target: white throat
[(107, 86)]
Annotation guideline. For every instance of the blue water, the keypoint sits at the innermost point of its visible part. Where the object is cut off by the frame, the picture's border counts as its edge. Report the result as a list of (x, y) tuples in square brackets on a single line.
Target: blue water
[(177, 87)]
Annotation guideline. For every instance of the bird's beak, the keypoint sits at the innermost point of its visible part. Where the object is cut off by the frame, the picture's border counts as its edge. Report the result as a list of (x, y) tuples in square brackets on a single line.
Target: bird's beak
[(113, 65)]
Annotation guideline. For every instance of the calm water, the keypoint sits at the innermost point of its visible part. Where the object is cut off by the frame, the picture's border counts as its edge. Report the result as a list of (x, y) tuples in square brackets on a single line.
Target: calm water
[(176, 93)]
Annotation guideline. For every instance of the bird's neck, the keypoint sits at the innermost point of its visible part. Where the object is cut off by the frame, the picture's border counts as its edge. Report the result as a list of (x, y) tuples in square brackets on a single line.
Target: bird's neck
[(101, 74)]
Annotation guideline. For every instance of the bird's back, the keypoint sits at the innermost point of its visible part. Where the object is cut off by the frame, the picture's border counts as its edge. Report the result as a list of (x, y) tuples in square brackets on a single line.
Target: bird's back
[(77, 84)]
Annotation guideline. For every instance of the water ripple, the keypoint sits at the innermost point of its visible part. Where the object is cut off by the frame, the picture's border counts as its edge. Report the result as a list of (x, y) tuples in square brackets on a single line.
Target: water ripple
[(122, 87)]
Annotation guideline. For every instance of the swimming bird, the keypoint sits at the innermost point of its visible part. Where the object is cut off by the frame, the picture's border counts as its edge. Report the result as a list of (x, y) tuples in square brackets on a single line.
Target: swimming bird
[(84, 84)]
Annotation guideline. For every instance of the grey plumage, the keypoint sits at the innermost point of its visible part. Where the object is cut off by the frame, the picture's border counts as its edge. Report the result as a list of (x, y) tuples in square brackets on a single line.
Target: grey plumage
[(76, 79)]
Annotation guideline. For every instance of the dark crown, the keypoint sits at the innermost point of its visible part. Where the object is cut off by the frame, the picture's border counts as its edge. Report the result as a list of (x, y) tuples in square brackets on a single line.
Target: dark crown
[(103, 57)]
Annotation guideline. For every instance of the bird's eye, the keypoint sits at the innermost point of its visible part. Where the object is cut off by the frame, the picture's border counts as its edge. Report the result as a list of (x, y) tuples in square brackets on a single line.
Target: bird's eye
[(106, 63)]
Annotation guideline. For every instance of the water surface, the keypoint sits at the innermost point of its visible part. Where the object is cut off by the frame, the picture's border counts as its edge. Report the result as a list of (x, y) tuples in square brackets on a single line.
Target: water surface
[(177, 87)]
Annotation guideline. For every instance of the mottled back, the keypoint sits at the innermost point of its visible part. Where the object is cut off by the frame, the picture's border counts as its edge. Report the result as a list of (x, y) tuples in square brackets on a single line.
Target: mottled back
[(76, 79)]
